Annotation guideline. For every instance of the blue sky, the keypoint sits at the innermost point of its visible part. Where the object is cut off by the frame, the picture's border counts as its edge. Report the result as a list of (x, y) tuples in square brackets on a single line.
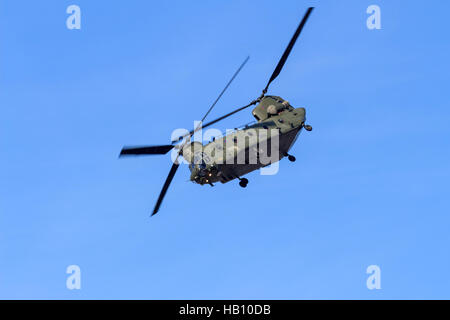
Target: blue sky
[(370, 185)]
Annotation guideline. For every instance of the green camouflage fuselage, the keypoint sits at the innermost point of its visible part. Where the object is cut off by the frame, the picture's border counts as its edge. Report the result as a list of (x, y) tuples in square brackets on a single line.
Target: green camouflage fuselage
[(250, 148)]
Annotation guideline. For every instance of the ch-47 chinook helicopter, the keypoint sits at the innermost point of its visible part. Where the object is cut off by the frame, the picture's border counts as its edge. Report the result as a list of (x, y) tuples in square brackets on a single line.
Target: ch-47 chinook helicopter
[(272, 113)]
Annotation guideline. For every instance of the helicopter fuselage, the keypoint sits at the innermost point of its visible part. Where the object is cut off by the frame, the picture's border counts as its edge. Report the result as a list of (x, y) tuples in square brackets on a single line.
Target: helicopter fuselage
[(250, 148), (242, 151)]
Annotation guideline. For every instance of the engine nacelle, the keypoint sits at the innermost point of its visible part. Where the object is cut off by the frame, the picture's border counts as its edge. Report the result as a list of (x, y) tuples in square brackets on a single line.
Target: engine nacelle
[(270, 106)]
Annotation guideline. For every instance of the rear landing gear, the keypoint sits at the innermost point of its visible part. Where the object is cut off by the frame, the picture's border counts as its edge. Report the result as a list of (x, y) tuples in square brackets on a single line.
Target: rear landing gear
[(307, 127), (291, 158), (243, 182)]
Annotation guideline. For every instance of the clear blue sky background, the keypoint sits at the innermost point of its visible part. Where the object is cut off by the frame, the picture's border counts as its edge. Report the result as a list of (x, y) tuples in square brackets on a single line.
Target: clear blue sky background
[(370, 185)]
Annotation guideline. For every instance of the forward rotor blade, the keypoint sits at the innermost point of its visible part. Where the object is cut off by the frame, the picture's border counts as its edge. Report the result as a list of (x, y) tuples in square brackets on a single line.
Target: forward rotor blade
[(215, 102), (169, 178), (136, 151), (175, 166), (288, 49), (226, 87)]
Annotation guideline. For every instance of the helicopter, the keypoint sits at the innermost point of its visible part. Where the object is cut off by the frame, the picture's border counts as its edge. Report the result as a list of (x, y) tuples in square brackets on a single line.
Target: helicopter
[(277, 124)]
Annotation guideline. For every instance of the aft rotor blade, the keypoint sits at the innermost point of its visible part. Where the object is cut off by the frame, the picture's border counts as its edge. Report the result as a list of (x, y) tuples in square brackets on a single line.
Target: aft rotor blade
[(169, 178), (288, 49), (137, 151), (223, 117)]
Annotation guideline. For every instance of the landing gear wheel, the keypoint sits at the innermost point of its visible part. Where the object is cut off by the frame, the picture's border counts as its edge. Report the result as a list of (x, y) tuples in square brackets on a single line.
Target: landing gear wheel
[(307, 127), (243, 182), (291, 158)]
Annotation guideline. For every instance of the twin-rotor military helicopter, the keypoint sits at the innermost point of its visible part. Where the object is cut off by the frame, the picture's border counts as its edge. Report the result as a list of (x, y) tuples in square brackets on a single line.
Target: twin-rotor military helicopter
[(271, 113)]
